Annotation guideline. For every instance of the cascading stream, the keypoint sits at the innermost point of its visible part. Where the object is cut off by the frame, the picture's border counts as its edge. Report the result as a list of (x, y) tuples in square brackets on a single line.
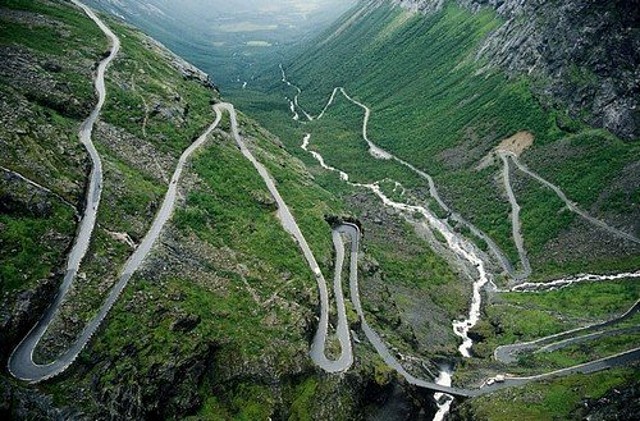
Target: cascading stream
[(463, 249), (460, 246), (443, 401), (566, 282), (21, 363)]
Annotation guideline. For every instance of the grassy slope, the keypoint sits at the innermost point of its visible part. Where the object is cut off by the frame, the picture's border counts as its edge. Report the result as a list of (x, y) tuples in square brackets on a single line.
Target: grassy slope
[(224, 216), (438, 108), (29, 154), (405, 260), (131, 193), (548, 400), (216, 218), (545, 314), (419, 77)]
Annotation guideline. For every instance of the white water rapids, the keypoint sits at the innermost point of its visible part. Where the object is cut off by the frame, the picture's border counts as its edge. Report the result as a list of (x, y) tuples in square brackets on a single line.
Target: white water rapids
[(463, 248), (443, 400), (460, 246), (565, 282)]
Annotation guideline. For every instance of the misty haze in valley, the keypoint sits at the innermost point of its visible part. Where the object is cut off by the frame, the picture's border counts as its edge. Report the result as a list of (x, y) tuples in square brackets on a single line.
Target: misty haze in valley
[(229, 39)]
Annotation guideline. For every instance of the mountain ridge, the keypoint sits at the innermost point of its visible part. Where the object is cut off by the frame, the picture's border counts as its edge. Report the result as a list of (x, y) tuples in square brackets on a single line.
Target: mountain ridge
[(582, 54)]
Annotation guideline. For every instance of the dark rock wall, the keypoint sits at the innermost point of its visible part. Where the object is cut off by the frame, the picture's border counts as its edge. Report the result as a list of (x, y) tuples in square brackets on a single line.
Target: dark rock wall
[(581, 54)]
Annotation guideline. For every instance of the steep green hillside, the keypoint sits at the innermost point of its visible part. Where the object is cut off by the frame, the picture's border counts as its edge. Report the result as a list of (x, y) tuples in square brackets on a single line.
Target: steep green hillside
[(438, 107), (218, 322), (571, 398)]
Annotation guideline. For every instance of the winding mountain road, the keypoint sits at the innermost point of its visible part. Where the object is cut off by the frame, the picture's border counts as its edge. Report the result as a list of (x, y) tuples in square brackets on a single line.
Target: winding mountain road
[(515, 217), (560, 340), (571, 205), (380, 153), (505, 263), (459, 246), (353, 232), (588, 337), (21, 364), (318, 348), (508, 354), (518, 239)]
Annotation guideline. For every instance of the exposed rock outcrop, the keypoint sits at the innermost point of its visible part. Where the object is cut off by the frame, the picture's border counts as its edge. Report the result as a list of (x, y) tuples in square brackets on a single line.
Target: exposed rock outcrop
[(22, 403), (188, 70), (618, 404), (581, 54)]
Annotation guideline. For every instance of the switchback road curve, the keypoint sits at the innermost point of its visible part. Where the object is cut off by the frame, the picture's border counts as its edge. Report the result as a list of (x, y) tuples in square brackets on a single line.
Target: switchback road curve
[(21, 364)]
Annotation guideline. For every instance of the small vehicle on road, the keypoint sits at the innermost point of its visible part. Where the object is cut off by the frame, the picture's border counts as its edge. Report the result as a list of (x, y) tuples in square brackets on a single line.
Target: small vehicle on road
[(497, 379)]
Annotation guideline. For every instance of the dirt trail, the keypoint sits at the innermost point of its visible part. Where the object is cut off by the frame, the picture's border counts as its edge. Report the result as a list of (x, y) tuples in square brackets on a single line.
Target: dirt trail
[(43, 188)]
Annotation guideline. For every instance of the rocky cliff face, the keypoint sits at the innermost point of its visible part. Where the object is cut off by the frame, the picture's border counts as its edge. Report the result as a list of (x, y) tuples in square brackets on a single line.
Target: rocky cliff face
[(581, 54)]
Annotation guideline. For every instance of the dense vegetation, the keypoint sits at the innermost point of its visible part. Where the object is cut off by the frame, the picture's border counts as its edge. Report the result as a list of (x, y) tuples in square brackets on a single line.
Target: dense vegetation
[(224, 307), (434, 105), (180, 332), (548, 400), (22, 224), (218, 323)]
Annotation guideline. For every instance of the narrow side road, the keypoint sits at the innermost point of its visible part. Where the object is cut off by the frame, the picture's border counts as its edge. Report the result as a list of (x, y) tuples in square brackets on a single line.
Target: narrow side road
[(460, 247), (616, 360), (571, 205), (515, 217), (508, 354), (353, 232), (380, 153)]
